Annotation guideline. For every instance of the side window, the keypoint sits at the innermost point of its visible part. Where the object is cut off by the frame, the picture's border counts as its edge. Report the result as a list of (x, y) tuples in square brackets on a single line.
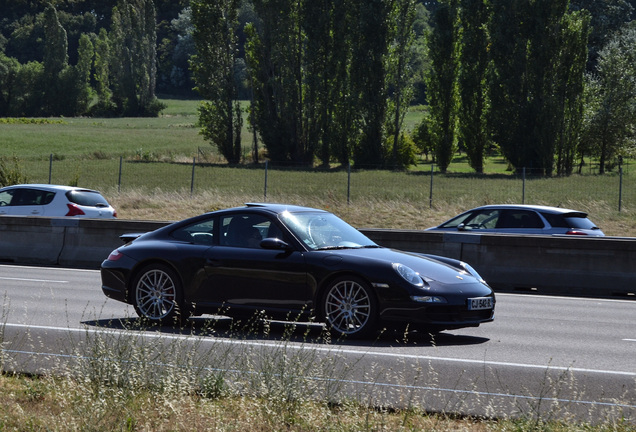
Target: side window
[(28, 197), (519, 219), (453, 223), (48, 197), (485, 219), (244, 230), (5, 197), (201, 233), (555, 220)]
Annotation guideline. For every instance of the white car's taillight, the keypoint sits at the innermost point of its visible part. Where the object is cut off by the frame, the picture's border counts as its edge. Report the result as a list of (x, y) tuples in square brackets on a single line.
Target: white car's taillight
[(74, 210)]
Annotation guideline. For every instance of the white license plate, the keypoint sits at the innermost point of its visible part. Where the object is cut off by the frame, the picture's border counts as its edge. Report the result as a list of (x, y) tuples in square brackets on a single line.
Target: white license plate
[(480, 303)]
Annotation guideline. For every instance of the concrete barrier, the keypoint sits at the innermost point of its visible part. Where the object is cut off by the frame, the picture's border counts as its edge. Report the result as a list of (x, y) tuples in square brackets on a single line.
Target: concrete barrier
[(72, 242), (593, 266)]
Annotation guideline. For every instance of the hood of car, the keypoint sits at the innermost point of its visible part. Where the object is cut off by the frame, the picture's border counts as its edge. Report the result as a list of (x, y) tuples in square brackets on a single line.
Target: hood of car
[(384, 257)]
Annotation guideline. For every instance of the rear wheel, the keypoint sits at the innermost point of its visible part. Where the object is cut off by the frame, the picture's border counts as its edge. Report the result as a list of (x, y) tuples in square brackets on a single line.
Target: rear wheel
[(157, 294), (350, 307)]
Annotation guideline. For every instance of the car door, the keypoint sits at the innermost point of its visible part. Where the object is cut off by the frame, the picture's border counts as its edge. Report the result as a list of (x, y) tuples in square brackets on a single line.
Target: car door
[(26, 202), (5, 201), (520, 221), (244, 276)]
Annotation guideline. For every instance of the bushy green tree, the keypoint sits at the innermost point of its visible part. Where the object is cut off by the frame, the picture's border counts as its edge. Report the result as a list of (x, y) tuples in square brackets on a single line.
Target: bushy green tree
[(11, 172), (610, 119)]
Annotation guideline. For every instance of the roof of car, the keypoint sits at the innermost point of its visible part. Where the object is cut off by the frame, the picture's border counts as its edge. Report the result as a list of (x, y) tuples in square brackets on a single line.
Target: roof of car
[(49, 187), (540, 208), (280, 208)]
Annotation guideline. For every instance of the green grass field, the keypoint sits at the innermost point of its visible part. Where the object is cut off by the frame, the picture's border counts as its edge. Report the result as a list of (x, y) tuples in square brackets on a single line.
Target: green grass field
[(157, 156)]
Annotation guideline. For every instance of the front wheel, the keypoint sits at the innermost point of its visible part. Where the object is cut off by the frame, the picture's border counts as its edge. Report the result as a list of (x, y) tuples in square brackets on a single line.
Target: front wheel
[(349, 307), (157, 294)]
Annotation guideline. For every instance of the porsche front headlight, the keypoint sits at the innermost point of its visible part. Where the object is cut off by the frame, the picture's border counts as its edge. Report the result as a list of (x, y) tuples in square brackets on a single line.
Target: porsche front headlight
[(471, 271), (408, 274)]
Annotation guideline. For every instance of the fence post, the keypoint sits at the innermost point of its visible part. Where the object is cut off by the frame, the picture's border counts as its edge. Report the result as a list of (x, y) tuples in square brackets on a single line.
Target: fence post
[(119, 177), (265, 192), (430, 191), (523, 187), (620, 188), (50, 167), (194, 162), (348, 183)]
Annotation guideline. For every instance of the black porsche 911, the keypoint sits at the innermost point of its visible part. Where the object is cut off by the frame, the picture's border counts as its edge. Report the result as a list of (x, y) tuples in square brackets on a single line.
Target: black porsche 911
[(291, 262)]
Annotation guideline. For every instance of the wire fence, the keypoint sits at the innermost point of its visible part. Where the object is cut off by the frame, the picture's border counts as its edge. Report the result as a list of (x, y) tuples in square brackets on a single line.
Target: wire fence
[(265, 182)]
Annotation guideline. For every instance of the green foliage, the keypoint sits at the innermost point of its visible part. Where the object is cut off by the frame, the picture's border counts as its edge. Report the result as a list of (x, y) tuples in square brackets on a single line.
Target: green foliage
[(422, 138), (473, 90), (532, 80), (11, 172), (215, 37), (442, 82), (405, 155), (134, 44), (611, 105)]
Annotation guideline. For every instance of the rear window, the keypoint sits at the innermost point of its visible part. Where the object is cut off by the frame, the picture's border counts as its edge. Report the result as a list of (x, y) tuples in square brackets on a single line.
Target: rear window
[(569, 220), (87, 198)]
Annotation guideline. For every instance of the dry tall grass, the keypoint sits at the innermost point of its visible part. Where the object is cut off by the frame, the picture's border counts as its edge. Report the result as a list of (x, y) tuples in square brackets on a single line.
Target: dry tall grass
[(158, 205)]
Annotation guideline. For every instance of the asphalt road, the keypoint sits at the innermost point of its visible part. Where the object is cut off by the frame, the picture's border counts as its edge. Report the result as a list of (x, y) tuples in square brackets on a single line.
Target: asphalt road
[(542, 356)]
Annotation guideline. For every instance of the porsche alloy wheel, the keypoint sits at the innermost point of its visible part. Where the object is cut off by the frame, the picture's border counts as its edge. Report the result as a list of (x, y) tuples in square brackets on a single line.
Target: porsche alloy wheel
[(157, 294), (349, 307)]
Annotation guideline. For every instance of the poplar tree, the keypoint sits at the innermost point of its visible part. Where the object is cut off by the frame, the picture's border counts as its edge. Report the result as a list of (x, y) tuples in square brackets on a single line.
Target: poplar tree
[(134, 69), (214, 64), (472, 114), (370, 39), (402, 37), (535, 84), (441, 80), (274, 54), (55, 61)]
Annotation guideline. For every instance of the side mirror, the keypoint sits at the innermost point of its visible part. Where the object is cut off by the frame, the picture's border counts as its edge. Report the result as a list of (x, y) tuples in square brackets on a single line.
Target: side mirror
[(461, 227), (274, 243)]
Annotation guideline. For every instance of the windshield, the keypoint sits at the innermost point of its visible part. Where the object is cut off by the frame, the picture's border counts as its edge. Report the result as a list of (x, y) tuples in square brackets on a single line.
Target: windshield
[(324, 231)]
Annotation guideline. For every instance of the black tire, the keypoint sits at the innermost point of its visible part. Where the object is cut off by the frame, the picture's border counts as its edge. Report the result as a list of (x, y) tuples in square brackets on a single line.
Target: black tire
[(349, 307), (157, 295)]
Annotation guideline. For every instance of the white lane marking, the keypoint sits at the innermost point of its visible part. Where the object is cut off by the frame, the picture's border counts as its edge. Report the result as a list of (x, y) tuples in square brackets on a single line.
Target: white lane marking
[(32, 280), (14, 266), (336, 350), (629, 340)]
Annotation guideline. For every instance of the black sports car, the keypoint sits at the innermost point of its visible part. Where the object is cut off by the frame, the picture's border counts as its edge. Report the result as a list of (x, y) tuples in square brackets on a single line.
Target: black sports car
[(291, 262)]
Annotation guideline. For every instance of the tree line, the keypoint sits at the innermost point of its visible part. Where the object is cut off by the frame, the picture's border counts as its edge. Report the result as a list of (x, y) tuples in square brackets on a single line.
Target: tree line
[(545, 82)]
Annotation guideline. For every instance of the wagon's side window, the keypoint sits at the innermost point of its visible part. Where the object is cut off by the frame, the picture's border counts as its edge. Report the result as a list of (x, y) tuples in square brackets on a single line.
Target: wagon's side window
[(201, 233), (519, 219)]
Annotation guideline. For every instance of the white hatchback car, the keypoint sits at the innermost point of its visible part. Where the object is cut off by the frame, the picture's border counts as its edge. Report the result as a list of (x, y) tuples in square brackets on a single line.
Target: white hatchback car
[(522, 219), (53, 200)]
